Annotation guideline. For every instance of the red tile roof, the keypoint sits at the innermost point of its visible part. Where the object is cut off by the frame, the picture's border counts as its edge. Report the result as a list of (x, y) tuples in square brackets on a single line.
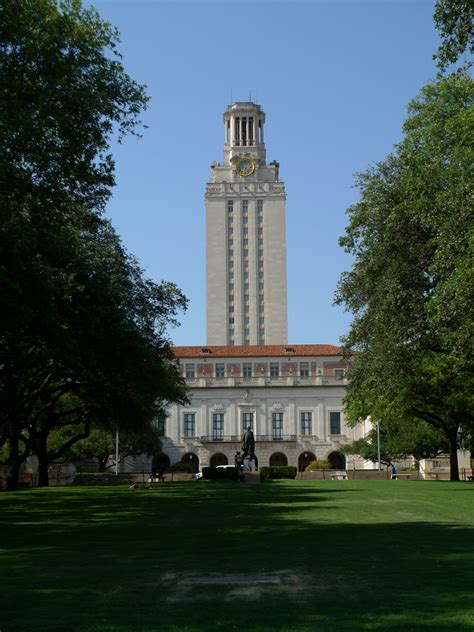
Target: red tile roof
[(254, 351)]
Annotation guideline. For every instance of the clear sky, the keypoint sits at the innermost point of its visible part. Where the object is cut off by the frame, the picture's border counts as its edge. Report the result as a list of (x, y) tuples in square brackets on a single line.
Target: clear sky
[(334, 79)]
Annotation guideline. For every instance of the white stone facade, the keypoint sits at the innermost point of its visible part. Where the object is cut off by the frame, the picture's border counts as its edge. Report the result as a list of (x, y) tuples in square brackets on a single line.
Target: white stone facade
[(292, 397), (246, 290)]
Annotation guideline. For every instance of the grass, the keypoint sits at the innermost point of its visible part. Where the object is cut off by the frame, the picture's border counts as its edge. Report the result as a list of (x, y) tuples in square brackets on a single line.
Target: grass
[(352, 556)]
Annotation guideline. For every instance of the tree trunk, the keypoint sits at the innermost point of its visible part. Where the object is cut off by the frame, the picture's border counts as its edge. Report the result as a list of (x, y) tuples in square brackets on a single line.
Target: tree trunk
[(102, 462), (43, 475), (14, 464), (453, 456), (13, 475)]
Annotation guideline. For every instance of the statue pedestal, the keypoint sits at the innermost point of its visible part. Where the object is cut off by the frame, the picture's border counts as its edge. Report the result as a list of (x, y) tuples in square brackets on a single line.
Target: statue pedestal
[(252, 477)]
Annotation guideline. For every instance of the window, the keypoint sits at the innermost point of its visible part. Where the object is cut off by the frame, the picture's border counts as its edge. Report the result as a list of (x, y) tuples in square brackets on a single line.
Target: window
[(259, 206), (231, 308), (245, 219), (246, 309), (246, 332), (246, 275), (231, 286), (246, 241), (247, 421), (230, 241), (304, 369), (220, 370), (161, 425), (190, 371), (246, 287), (274, 369), (260, 242), (247, 370), (261, 319), (277, 425), (217, 426), (245, 230), (339, 373), (230, 231), (231, 320), (246, 252), (189, 424), (261, 286), (260, 230), (306, 423), (245, 206), (335, 423), (246, 298), (246, 341), (230, 205), (260, 274), (260, 253), (246, 320), (261, 332)]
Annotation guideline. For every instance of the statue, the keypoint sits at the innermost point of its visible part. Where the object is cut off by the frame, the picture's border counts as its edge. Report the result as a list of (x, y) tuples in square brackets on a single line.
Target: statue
[(248, 447)]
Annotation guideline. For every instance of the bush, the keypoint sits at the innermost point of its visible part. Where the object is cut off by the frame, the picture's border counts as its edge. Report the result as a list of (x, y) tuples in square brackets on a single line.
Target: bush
[(182, 467), (318, 465), (277, 471), (220, 473)]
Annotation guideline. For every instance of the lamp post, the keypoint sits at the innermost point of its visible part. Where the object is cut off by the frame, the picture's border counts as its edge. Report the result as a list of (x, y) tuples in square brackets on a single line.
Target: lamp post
[(116, 451), (378, 444)]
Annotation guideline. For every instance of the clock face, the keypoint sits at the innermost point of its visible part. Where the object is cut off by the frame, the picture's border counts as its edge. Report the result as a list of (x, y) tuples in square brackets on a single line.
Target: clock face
[(245, 166)]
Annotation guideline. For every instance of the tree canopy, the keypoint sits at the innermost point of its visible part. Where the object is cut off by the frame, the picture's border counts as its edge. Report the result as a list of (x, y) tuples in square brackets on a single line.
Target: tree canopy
[(454, 19), (83, 333), (411, 285)]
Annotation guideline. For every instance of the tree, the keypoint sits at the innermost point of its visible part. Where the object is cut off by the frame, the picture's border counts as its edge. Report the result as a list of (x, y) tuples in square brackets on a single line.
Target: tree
[(399, 439), (83, 333), (100, 445), (411, 286), (454, 19)]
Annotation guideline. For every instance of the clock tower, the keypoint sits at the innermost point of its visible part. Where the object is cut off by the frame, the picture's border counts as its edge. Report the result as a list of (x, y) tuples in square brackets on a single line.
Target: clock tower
[(246, 294)]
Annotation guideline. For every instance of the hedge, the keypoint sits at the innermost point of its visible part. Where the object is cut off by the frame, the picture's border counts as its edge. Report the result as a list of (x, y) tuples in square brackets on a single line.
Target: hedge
[(182, 467), (277, 471), (220, 473)]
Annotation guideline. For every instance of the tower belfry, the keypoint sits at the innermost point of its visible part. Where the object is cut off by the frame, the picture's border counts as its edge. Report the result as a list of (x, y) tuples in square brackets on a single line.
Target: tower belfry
[(246, 292)]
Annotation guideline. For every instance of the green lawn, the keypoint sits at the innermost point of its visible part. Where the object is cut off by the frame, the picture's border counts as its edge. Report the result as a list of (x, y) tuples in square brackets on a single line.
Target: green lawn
[(351, 555)]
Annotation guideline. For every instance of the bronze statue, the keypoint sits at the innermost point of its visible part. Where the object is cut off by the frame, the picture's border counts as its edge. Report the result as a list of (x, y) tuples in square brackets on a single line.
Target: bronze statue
[(248, 447)]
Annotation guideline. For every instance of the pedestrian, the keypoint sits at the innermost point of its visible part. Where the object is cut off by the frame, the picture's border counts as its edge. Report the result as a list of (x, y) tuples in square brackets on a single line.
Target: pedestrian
[(393, 470)]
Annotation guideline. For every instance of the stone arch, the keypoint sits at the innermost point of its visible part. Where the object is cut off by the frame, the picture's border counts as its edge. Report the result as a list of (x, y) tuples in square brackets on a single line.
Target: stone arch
[(305, 459), (218, 459), (161, 462), (278, 458), (191, 459), (337, 460)]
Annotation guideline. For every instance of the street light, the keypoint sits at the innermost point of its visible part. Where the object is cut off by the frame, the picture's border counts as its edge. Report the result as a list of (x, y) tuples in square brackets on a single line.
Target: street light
[(378, 443)]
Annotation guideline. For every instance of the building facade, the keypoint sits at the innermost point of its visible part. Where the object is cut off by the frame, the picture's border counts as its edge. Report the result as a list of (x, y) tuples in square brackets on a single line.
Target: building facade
[(248, 375), (246, 293), (291, 397)]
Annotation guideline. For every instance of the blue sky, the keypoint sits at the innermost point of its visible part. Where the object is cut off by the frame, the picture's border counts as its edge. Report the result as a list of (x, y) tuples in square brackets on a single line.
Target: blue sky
[(334, 79)]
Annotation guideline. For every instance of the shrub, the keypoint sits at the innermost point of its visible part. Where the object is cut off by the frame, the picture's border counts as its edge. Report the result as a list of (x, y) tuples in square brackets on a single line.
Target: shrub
[(277, 471), (220, 473), (182, 467), (318, 465)]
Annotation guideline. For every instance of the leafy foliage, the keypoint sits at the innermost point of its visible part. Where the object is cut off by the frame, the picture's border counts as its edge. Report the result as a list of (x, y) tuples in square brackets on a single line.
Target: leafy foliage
[(274, 472), (83, 333), (322, 464), (411, 286), (454, 19)]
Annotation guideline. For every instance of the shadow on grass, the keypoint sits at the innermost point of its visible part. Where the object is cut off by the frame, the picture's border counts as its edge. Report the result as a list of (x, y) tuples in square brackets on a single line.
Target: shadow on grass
[(111, 560)]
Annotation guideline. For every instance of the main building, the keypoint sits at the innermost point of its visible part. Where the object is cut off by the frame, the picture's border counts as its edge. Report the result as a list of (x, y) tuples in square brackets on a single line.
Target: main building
[(248, 374)]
